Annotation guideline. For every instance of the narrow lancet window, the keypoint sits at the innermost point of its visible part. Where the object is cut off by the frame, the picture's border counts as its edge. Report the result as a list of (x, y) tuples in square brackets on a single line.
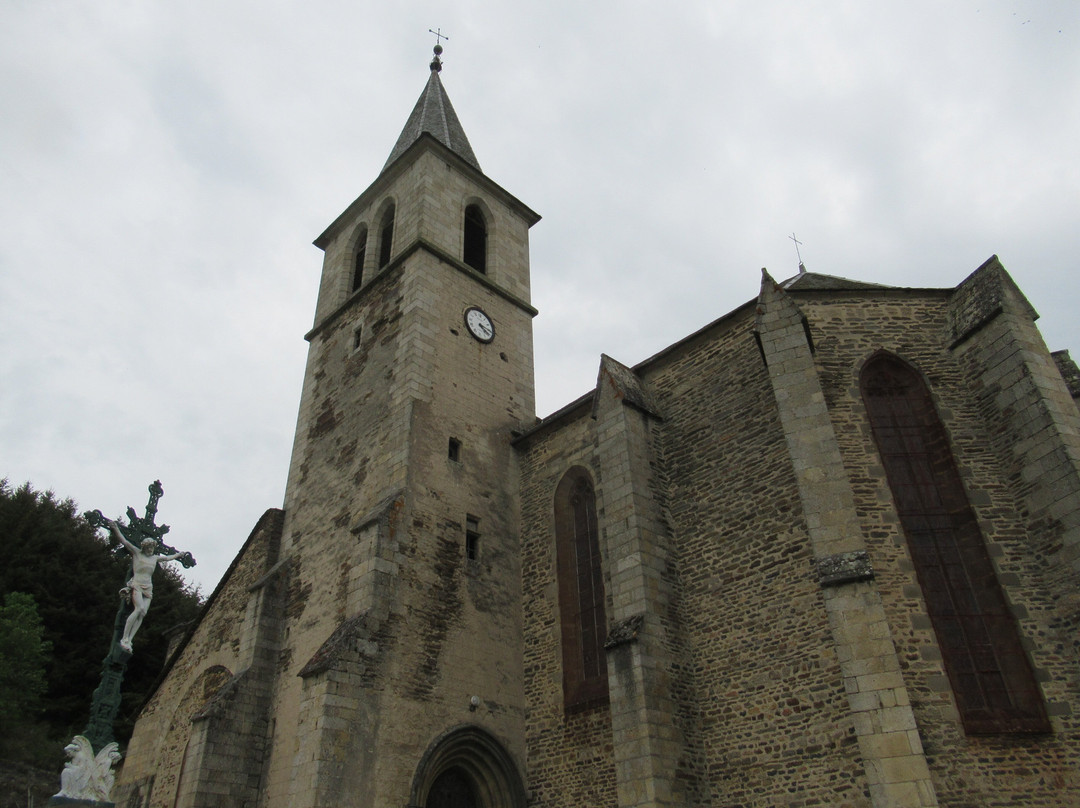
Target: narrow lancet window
[(359, 255), (386, 237), (472, 538), (582, 608), (475, 238), (991, 677)]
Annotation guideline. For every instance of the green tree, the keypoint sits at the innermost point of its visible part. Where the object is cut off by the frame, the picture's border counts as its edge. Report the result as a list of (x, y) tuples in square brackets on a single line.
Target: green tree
[(24, 653)]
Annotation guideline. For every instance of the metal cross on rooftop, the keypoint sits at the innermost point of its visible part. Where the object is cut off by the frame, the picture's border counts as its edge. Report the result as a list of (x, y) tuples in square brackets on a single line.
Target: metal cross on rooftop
[(436, 63), (797, 253)]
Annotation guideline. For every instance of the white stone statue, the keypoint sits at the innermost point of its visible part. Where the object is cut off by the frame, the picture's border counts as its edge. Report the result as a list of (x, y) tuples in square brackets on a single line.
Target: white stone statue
[(86, 777), (140, 588), (102, 782), (75, 778)]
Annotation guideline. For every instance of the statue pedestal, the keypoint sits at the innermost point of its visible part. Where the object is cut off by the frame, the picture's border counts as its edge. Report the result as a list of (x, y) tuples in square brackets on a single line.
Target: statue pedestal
[(79, 803)]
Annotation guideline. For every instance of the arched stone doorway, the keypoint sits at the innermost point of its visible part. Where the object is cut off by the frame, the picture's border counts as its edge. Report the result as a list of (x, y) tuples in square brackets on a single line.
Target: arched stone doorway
[(452, 789), (467, 768)]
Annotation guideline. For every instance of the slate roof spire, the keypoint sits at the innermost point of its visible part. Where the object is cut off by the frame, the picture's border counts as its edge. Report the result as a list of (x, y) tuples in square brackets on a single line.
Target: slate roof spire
[(434, 114)]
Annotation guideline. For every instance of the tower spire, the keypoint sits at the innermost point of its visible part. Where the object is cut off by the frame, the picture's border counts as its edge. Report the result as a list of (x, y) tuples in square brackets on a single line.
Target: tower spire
[(434, 115)]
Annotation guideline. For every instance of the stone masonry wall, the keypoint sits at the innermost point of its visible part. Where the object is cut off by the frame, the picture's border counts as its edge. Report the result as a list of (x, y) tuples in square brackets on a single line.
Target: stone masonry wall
[(570, 758), (637, 554), (348, 456), (461, 633), (967, 770), (204, 663), (761, 693), (758, 695), (392, 376)]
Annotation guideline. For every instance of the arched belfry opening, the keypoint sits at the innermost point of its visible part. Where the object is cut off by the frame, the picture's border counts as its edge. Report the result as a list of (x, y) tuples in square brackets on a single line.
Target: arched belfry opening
[(386, 236), (467, 768), (359, 258), (475, 238)]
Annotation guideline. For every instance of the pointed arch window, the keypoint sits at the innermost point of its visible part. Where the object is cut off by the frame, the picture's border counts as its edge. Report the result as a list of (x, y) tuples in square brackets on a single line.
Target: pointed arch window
[(359, 256), (581, 592), (991, 677), (386, 236), (476, 232)]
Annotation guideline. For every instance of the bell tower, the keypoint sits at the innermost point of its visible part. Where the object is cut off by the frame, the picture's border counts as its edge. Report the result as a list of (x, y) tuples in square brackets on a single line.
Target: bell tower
[(400, 655)]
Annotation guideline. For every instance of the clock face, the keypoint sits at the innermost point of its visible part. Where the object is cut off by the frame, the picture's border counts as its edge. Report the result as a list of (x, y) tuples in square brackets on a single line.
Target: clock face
[(479, 325)]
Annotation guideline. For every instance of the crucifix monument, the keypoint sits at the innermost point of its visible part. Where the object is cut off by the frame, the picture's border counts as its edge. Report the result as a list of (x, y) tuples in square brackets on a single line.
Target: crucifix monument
[(87, 778)]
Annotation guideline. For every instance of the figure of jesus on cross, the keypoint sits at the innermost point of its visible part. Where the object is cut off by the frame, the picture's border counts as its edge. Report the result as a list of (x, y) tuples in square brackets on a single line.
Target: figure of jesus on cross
[(140, 588), (144, 558)]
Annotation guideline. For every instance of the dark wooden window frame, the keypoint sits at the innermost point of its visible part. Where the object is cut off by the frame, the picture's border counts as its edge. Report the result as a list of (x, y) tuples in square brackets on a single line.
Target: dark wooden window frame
[(991, 676), (582, 599)]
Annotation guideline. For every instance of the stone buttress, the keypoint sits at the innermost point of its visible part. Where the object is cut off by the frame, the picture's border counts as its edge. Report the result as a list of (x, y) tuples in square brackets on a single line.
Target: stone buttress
[(646, 741), (897, 773)]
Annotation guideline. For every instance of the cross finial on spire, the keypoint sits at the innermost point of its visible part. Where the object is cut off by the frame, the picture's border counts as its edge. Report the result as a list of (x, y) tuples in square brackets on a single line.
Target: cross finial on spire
[(802, 269), (436, 63)]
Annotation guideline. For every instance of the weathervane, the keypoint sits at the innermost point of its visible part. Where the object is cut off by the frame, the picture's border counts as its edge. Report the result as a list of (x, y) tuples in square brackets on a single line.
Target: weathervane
[(436, 63), (798, 255)]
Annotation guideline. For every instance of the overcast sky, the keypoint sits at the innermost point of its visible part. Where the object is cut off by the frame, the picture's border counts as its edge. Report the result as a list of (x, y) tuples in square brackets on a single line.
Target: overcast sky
[(164, 168)]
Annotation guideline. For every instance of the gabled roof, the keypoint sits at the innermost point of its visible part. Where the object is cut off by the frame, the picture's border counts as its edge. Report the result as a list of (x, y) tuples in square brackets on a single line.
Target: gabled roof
[(435, 115), (815, 280)]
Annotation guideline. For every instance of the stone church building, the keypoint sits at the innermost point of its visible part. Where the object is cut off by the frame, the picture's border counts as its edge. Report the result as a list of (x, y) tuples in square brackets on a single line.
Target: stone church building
[(822, 552)]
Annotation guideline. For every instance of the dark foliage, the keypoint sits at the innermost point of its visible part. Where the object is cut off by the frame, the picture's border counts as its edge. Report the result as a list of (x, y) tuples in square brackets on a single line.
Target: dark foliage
[(50, 552), (23, 657)]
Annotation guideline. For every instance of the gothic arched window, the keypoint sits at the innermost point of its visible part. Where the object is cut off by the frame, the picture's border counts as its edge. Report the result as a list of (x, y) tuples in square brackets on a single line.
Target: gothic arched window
[(581, 591), (386, 236), (475, 254), (991, 677), (359, 256)]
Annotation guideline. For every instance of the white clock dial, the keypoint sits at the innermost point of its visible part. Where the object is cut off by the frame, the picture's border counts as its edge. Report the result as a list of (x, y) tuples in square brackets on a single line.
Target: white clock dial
[(479, 325)]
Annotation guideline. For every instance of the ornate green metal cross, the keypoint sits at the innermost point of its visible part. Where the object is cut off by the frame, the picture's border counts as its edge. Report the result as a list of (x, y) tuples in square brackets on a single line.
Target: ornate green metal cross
[(142, 527), (106, 701)]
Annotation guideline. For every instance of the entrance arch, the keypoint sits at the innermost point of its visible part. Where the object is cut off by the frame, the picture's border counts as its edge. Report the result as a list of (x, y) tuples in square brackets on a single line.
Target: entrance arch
[(452, 789), (467, 767)]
